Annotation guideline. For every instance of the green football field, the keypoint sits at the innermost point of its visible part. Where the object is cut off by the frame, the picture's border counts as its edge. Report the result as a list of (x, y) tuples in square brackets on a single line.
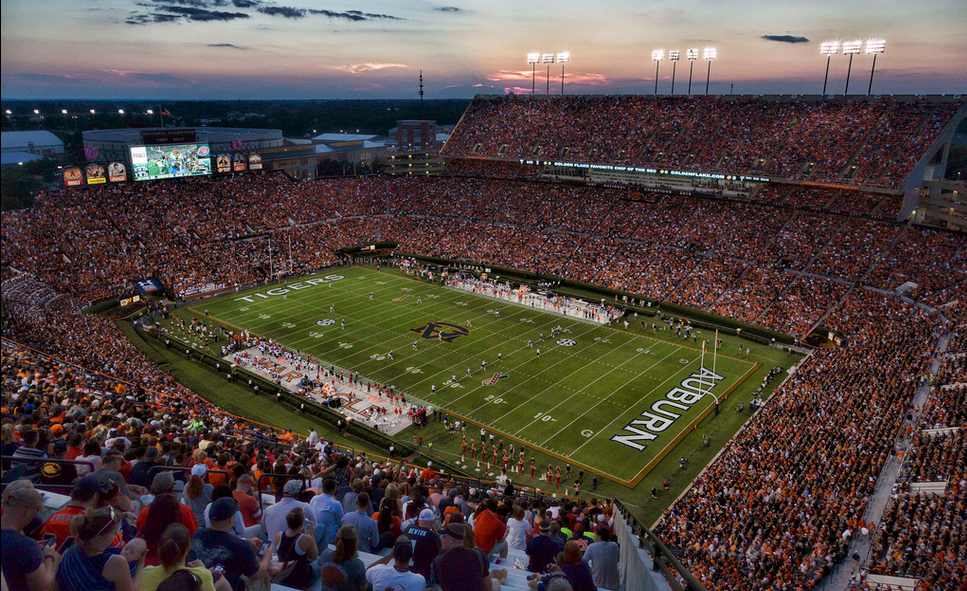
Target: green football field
[(603, 398)]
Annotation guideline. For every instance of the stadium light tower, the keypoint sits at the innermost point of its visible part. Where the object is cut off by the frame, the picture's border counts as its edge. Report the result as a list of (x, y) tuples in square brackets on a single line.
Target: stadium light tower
[(64, 113), (548, 58), (533, 59), (673, 56), (874, 46), (692, 55), (850, 48), (710, 54), (829, 49), (563, 57), (657, 55)]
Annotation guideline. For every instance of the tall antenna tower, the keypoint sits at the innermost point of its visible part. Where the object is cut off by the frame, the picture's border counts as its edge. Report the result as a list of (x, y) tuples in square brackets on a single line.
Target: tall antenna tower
[(421, 90)]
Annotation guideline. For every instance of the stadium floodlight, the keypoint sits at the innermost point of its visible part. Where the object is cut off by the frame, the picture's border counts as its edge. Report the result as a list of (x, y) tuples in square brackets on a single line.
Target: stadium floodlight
[(92, 111), (36, 111), (850, 48), (64, 113), (710, 54), (829, 49), (657, 55), (874, 46), (692, 56), (547, 58), (673, 56), (9, 112), (563, 58), (533, 59)]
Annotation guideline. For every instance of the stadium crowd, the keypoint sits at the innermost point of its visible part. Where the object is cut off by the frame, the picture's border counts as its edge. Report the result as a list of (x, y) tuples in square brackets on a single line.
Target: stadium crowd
[(175, 486), (170, 476), (875, 143)]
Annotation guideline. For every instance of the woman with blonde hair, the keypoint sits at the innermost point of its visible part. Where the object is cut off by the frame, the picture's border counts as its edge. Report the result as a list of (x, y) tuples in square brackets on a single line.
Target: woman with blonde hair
[(92, 564), (342, 570)]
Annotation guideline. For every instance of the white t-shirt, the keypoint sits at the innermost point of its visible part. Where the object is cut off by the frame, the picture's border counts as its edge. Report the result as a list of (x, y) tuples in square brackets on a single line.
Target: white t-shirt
[(517, 533), (385, 577)]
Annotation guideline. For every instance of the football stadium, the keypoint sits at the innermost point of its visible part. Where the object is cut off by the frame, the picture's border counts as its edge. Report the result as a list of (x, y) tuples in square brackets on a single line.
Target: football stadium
[(710, 342)]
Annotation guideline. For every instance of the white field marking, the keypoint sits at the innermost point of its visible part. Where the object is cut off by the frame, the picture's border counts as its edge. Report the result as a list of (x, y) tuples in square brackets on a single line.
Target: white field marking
[(609, 351), (585, 413), (640, 400), (593, 343)]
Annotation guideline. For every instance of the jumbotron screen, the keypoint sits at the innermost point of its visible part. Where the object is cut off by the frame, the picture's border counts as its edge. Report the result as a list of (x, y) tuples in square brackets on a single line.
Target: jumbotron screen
[(170, 161)]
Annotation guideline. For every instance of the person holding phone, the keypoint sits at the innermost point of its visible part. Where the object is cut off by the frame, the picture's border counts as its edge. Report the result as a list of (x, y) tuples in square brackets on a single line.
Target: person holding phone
[(173, 552), (216, 546)]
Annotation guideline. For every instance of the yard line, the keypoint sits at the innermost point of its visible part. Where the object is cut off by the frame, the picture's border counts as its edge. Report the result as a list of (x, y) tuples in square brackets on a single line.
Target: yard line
[(640, 400), (677, 349), (558, 382), (536, 374)]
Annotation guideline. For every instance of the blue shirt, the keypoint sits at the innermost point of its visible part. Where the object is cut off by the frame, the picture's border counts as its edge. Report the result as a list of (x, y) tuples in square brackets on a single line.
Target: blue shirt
[(328, 513), (366, 529), (20, 557)]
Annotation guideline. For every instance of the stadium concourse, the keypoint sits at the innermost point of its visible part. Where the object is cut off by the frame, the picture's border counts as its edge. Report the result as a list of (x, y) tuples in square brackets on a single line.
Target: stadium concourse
[(782, 507)]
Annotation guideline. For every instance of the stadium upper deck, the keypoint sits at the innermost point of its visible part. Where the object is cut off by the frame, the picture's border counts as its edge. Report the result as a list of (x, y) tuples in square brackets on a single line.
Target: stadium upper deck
[(862, 141)]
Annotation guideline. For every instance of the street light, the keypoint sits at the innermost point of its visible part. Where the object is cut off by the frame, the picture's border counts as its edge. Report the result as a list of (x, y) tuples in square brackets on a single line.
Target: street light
[(657, 55), (533, 59), (548, 58), (692, 55), (850, 48), (563, 58), (40, 118), (710, 54), (64, 113), (673, 55), (874, 46), (829, 49)]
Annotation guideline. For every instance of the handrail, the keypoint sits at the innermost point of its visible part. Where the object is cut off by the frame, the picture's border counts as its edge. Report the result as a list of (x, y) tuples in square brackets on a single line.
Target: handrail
[(660, 553), (40, 485)]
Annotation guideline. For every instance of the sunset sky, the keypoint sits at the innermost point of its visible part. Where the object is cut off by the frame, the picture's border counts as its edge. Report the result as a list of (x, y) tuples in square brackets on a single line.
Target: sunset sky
[(292, 49)]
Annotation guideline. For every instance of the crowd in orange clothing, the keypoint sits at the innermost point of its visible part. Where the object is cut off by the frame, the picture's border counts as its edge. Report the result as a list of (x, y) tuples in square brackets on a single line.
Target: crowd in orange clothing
[(871, 142), (770, 513)]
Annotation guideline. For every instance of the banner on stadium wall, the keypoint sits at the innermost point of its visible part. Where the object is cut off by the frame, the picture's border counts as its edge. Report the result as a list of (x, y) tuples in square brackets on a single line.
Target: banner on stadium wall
[(96, 174), (238, 163), (73, 177), (149, 285), (255, 162), (117, 172), (223, 163)]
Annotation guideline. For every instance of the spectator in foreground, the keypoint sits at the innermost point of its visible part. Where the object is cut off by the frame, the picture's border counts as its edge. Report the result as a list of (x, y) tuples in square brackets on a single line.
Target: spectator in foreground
[(341, 569), (427, 543), (490, 529), (297, 549), (85, 496), (569, 566), (92, 564), (463, 566), (383, 576), (162, 512), (26, 565), (215, 546), (542, 549), (328, 513), (603, 556), (369, 538), (174, 548), (274, 517)]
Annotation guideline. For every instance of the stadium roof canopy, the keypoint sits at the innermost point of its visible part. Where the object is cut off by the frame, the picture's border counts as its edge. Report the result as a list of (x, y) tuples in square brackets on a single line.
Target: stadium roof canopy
[(27, 141), (343, 137)]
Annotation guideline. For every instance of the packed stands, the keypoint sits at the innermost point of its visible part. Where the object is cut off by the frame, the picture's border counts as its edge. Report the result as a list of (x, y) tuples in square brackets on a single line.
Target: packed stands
[(872, 143)]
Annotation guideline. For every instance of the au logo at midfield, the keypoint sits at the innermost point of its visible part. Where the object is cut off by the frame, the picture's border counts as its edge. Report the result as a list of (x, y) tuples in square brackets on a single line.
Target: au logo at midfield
[(443, 331)]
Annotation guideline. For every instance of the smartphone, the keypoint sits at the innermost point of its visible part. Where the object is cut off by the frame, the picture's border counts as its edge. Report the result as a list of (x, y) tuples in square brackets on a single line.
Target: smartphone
[(217, 572), (50, 540), (264, 549)]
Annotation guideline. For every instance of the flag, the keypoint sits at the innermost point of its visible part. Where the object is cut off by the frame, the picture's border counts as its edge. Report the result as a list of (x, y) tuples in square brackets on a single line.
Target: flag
[(166, 112)]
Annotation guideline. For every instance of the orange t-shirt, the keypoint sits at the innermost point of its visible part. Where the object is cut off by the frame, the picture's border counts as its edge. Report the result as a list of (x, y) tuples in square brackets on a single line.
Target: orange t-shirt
[(59, 524), (488, 530), (187, 520)]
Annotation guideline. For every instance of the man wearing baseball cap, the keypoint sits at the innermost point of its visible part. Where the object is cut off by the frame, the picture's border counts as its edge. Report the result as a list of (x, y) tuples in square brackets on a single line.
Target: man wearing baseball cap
[(273, 520), (216, 546), (25, 564), (382, 576), (461, 566), (543, 549), (427, 543)]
